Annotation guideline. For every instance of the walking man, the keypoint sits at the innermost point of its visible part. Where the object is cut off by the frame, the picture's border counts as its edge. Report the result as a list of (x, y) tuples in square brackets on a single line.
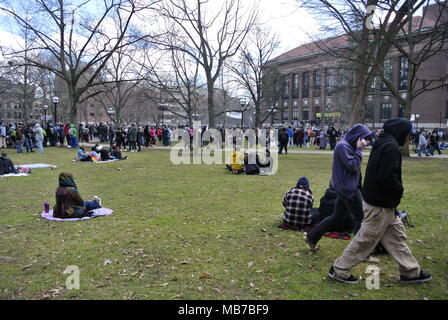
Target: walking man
[(382, 192), (345, 181)]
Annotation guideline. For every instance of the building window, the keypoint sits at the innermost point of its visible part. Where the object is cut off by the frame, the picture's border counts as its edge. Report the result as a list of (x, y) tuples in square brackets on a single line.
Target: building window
[(306, 114), (306, 85), (295, 113), (388, 72), (386, 111), (330, 81), (286, 87), (285, 115), (276, 118), (404, 67), (295, 86), (316, 84), (369, 112)]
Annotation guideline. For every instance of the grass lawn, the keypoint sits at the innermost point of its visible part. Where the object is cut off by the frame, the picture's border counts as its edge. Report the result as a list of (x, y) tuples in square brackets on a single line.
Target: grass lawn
[(197, 232)]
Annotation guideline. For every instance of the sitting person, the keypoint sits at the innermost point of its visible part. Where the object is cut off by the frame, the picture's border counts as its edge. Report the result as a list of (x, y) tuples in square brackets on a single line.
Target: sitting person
[(6, 165), (298, 203), (104, 154), (251, 166), (69, 203), (236, 165), (115, 153), (82, 155)]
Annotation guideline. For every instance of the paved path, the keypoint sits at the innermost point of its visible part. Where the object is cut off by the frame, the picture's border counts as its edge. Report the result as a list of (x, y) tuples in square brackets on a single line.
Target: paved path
[(294, 151)]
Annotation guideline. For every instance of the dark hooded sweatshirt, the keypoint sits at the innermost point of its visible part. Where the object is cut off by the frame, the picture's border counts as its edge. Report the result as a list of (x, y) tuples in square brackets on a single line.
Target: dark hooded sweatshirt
[(382, 184), (347, 161), (69, 203)]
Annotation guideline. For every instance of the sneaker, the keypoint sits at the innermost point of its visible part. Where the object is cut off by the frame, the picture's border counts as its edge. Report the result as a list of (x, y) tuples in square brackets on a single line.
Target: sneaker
[(313, 247), (423, 277), (97, 199), (351, 279)]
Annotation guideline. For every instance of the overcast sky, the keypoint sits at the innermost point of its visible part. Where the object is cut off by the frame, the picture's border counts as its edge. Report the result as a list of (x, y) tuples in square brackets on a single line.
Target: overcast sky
[(289, 21), (282, 16)]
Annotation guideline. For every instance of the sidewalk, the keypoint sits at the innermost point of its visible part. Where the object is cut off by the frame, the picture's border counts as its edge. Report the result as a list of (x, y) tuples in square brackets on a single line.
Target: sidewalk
[(290, 151)]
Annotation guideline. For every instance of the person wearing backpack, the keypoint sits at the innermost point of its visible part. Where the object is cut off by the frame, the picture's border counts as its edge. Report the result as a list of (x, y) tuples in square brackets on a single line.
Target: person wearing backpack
[(382, 193)]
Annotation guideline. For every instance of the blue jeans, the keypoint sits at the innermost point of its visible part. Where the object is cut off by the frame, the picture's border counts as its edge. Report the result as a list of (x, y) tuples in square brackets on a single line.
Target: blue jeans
[(19, 144), (28, 144), (421, 148), (73, 142), (40, 146), (91, 205), (343, 207)]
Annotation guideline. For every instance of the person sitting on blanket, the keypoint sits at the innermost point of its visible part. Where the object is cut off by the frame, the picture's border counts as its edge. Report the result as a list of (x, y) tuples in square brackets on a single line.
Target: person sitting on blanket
[(298, 203), (82, 155), (115, 153), (69, 203), (104, 153), (6, 165)]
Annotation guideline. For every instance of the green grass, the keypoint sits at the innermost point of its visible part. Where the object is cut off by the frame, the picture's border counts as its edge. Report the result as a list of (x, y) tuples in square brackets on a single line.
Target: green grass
[(197, 232)]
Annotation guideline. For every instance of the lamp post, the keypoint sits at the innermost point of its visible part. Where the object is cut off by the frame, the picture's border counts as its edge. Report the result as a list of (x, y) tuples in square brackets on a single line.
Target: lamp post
[(55, 101), (163, 106), (242, 104), (110, 112), (45, 114)]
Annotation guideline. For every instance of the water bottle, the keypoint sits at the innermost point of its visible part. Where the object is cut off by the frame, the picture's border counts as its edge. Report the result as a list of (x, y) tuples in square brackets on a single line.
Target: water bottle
[(46, 207)]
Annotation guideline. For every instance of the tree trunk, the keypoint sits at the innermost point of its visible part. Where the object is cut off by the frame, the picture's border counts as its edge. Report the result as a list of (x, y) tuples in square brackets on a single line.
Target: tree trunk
[(211, 105)]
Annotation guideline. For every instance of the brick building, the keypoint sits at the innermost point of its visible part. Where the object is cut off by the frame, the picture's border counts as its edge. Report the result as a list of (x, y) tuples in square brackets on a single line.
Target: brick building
[(314, 83)]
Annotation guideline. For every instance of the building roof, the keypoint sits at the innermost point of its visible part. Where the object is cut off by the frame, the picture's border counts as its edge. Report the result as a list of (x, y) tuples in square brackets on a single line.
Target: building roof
[(430, 15)]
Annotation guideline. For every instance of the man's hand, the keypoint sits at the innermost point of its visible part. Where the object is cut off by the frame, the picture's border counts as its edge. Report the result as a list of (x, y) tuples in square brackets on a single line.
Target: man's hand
[(361, 143)]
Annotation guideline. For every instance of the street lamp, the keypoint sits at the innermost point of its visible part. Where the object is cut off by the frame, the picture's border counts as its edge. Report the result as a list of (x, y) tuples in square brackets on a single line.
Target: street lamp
[(163, 106), (45, 114), (110, 112), (242, 104), (55, 101)]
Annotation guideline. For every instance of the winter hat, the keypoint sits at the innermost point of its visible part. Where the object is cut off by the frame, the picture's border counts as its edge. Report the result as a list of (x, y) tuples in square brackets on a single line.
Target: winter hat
[(303, 182)]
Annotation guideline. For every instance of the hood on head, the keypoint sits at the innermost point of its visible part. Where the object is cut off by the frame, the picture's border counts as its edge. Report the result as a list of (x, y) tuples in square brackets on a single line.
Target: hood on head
[(358, 131), (66, 179), (399, 128), (72, 126)]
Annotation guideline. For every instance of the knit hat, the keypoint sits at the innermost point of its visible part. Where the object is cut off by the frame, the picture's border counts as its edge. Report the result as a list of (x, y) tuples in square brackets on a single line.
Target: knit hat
[(303, 182)]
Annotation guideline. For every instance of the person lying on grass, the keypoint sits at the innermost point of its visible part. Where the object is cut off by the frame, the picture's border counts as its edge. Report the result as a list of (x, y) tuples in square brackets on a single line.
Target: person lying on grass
[(69, 203), (92, 156)]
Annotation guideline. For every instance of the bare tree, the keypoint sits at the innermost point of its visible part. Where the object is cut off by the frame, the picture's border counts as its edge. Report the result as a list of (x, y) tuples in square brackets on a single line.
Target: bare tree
[(209, 38), (362, 45), (248, 69), (176, 75), (76, 38)]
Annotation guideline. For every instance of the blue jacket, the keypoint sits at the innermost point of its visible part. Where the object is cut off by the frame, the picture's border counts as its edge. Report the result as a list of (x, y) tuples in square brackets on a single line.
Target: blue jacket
[(347, 160)]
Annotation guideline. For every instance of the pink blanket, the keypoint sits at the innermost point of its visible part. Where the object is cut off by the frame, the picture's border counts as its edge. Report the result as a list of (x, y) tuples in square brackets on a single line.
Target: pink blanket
[(96, 213)]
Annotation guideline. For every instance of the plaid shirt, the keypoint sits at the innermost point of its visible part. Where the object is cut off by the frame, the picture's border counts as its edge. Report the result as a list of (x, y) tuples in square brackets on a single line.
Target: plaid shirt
[(298, 203)]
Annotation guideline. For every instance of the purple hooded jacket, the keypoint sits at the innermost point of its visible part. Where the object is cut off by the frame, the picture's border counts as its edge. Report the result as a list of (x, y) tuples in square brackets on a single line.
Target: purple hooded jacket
[(347, 161)]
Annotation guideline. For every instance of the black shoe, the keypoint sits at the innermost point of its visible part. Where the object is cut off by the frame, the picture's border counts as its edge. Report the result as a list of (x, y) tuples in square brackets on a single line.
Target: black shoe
[(351, 279), (423, 277)]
